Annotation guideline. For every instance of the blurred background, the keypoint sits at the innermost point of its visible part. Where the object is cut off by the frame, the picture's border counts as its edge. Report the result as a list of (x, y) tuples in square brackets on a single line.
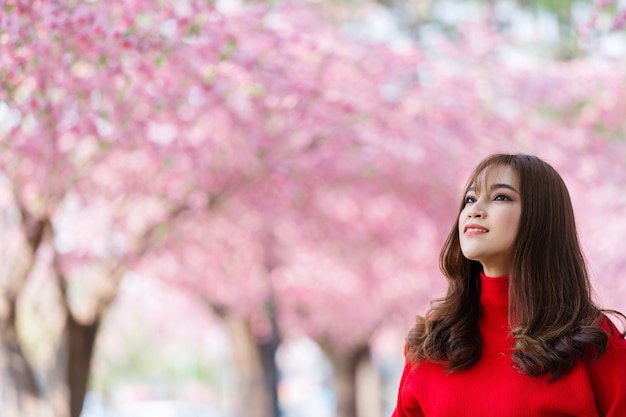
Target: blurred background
[(235, 209)]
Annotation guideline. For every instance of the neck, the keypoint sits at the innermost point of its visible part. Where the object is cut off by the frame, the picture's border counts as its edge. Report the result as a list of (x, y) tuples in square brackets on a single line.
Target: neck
[(494, 300), (496, 271)]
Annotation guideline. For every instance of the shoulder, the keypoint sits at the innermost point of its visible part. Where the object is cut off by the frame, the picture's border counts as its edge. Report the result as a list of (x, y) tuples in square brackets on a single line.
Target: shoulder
[(607, 375), (615, 336), (613, 360), (614, 356)]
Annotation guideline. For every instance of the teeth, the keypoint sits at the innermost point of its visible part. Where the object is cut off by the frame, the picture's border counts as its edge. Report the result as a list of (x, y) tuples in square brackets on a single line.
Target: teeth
[(476, 229)]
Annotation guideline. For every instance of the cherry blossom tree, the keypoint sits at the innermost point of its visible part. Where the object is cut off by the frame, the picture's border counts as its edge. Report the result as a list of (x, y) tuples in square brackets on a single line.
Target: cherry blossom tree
[(93, 140)]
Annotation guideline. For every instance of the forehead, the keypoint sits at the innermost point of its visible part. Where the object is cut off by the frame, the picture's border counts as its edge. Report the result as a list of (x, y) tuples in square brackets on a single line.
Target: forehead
[(495, 174)]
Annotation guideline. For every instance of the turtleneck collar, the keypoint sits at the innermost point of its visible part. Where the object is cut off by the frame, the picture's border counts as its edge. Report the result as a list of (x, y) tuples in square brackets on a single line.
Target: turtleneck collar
[(494, 300)]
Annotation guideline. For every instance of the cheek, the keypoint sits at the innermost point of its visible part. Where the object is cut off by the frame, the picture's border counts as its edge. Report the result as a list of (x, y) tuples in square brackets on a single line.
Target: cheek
[(462, 216), (460, 223), (514, 221)]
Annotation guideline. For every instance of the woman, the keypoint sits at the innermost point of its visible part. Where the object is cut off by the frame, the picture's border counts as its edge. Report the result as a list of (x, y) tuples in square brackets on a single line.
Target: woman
[(517, 333)]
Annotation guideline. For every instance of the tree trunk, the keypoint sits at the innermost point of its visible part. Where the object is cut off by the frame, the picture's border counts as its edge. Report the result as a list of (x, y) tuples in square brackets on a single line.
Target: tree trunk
[(255, 355), (70, 380), (267, 348), (257, 375), (81, 341), (19, 393), (348, 366), (368, 390)]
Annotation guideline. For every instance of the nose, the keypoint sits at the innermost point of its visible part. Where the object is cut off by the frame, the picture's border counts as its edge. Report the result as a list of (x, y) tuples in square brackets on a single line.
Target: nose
[(476, 211)]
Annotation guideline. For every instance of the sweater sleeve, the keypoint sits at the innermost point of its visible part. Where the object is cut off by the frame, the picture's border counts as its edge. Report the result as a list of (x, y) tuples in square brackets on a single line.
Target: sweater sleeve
[(402, 409), (607, 375)]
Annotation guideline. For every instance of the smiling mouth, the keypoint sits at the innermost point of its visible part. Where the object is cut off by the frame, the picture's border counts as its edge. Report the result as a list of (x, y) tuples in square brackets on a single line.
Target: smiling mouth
[(475, 230)]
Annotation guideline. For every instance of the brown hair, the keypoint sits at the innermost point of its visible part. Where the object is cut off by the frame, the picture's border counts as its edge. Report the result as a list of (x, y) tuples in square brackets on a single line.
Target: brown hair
[(553, 318)]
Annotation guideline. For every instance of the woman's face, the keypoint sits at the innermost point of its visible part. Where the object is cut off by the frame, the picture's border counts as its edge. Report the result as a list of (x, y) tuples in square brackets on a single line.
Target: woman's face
[(489, 221)]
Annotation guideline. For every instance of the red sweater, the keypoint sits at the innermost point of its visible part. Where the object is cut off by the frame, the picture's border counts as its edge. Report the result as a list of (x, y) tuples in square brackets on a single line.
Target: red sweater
[(494, 388)]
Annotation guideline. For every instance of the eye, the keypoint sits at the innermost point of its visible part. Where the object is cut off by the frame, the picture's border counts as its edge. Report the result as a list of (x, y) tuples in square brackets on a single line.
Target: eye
[(502, 197), (470, 199)]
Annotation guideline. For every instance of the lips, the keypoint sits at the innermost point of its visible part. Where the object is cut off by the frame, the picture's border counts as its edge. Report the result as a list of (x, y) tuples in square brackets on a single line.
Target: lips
[(474, 229)]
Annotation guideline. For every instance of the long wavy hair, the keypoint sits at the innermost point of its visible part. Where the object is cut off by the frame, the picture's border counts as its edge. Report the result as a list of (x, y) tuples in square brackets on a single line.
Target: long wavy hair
[(552, 316)]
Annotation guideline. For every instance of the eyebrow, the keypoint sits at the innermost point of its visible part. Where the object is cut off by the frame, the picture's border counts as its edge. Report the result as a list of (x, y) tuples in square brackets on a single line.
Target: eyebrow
[(496, 186)]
